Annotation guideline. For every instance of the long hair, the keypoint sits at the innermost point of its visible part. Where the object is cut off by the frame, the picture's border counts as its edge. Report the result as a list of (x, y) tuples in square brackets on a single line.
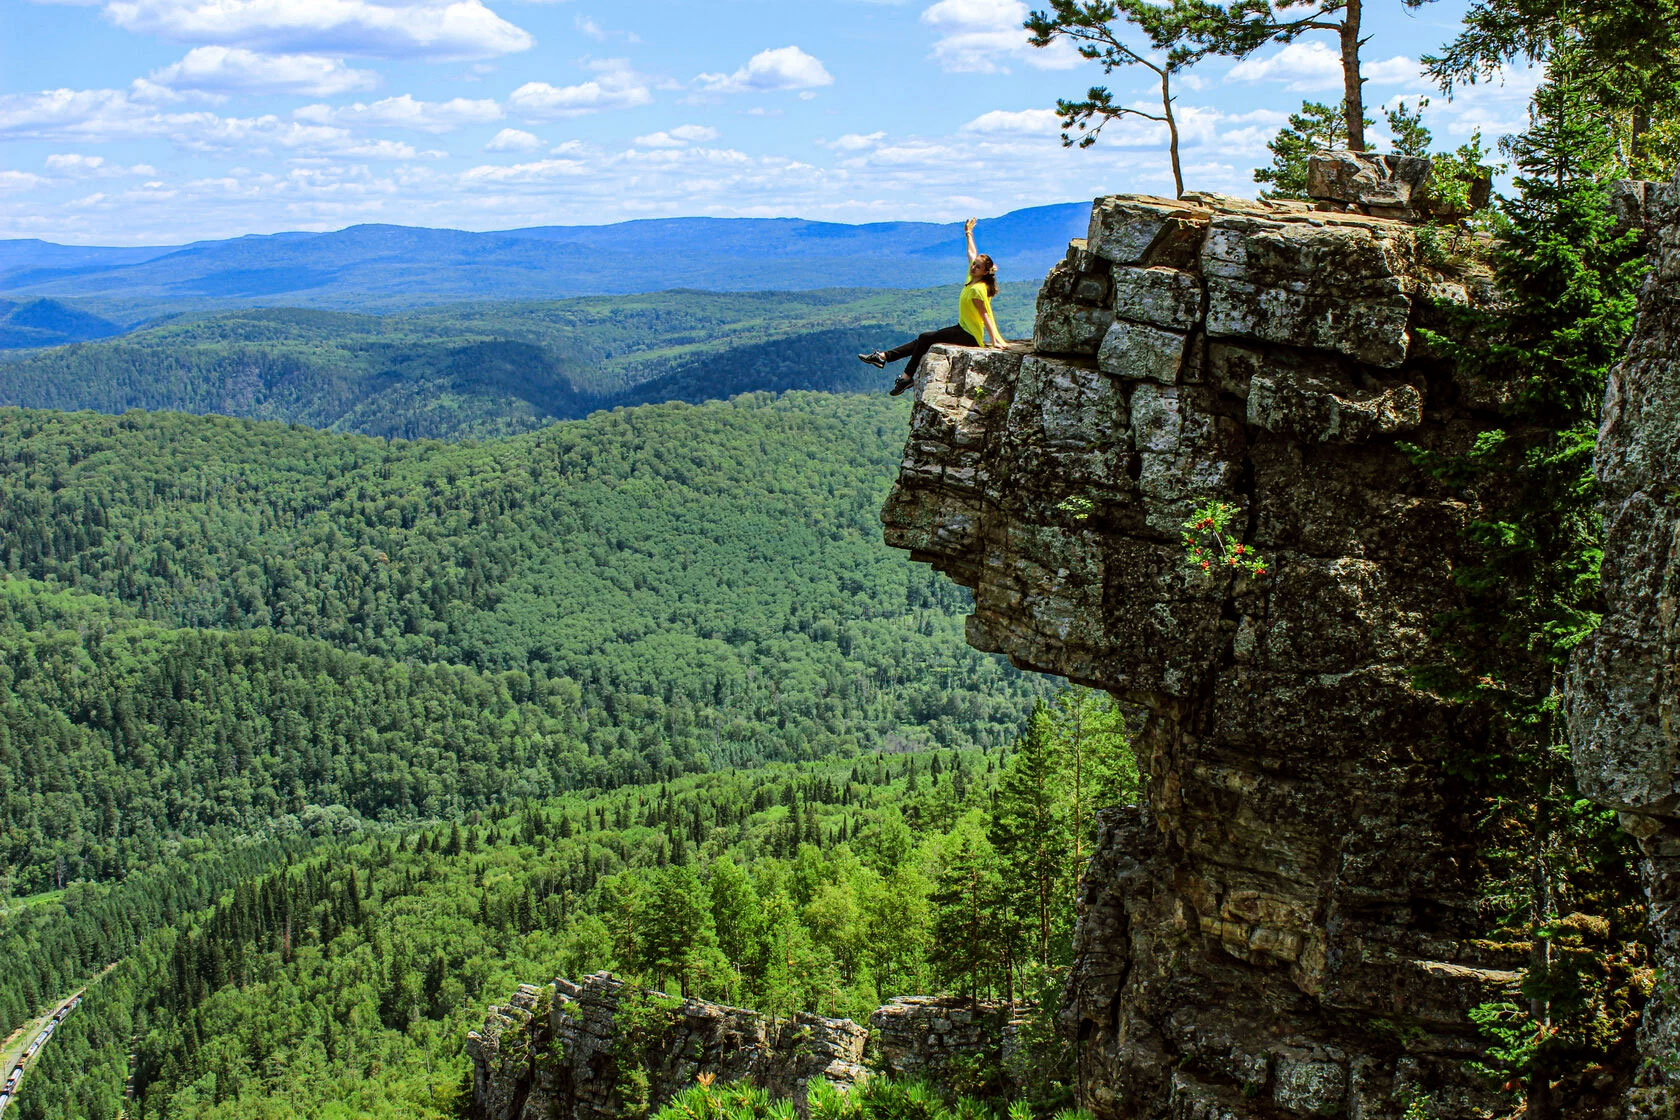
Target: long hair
[(982, 268)]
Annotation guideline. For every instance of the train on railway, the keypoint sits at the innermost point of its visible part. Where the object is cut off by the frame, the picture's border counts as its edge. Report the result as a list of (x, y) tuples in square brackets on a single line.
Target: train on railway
[(8, 1091)]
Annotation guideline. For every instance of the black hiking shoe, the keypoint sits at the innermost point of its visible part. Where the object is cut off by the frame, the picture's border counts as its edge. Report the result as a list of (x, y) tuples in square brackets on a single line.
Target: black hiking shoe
[(875, 358), (904, 382)]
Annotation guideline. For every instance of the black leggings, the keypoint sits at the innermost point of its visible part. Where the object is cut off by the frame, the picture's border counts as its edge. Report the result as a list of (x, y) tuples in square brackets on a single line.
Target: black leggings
[(918, 346)]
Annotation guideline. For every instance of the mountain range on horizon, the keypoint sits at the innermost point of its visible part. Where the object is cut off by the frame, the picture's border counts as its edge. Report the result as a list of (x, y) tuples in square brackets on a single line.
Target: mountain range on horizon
[(52, 294)]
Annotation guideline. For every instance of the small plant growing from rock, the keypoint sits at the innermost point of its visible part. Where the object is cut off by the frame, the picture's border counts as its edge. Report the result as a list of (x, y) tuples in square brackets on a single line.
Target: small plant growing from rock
[(1208, 545), (1417, 1107), (1076, 508)]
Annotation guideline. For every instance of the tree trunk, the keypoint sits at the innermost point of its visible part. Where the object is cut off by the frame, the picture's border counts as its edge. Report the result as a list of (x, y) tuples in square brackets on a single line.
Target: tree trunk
[(1078, 798), (1353, 86), (1641, 125), (1172, 130)]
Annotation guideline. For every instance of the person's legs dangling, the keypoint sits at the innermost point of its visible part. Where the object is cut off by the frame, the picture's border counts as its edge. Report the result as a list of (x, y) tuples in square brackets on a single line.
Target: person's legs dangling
[(916, 349)]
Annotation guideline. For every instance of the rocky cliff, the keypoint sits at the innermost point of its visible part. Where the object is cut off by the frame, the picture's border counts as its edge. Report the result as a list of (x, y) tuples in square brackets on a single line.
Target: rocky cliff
[(1624, 709), (1289, 927), (602, 1049)]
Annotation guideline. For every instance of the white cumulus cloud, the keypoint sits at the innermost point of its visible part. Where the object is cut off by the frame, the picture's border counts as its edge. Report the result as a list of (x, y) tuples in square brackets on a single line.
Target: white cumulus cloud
[(615, 86), (539, 171), (984, 36), (78, 165), (857, 141), (1304, 67), (19, 181), (433, 29), (231, 70), (1023, 122), (96, 115), (782, 68), (74, 162), (83, 114), (406, 112), (513, 140), (1392, 71), (679, 137)]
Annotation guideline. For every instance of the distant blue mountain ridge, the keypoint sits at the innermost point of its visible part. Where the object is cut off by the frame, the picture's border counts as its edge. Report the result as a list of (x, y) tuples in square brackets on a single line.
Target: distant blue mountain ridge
[(377, 268)]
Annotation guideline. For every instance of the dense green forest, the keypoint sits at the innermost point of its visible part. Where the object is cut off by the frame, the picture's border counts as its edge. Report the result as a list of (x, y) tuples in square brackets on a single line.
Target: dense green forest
[(223, 643), (644, 593), (481, 370), (343, 982)]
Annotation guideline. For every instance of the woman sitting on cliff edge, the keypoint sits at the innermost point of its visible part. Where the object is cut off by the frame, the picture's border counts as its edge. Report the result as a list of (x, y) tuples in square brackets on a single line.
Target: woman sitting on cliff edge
[(974, 319)]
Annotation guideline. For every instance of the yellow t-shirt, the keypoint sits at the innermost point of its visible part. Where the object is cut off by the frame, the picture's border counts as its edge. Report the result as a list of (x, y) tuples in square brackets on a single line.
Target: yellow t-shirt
[(968, 316)]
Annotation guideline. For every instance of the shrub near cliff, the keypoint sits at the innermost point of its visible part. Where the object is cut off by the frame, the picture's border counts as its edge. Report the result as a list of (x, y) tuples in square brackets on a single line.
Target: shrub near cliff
[(1570, 268)]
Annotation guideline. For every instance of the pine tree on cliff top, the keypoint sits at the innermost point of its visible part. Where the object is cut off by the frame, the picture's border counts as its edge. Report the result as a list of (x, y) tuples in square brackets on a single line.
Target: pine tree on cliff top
[(1625, 55), (1317, 127)]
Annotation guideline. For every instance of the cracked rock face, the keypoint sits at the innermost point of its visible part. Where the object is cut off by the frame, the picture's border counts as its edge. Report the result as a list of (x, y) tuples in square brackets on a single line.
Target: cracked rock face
[(1624, 688), (1288, 927)]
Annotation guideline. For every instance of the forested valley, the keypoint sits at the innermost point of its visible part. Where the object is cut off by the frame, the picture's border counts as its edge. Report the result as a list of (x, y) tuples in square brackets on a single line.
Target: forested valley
[(241, 621), (522, 692)]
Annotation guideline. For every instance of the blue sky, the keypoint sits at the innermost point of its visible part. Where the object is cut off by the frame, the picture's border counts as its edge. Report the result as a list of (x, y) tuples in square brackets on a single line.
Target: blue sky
[(162, 121)]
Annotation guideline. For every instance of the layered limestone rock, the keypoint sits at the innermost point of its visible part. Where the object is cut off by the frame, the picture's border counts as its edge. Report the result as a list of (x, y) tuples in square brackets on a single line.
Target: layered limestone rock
[(1289, 926), (602, 1049), (1624, 704)]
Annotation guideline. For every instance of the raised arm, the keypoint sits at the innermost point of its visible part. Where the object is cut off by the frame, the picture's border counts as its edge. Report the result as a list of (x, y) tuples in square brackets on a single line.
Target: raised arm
[(968, 231)]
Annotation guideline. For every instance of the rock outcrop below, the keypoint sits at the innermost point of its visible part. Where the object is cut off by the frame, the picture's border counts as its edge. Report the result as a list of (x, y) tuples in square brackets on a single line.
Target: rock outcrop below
[(1289, 927), (1624, 704), (934, 1038), (601, 1049)]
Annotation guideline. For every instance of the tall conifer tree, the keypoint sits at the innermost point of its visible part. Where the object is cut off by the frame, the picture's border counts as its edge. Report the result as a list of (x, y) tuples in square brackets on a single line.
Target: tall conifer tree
[(1569, 273), (1031, 835)]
